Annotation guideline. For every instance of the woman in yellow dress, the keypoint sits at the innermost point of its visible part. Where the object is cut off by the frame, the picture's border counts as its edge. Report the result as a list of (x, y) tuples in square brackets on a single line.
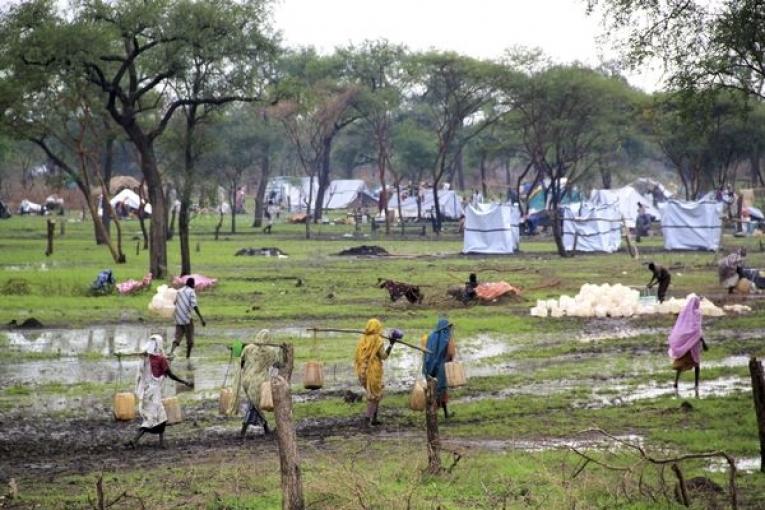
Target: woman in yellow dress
[(368, 362)]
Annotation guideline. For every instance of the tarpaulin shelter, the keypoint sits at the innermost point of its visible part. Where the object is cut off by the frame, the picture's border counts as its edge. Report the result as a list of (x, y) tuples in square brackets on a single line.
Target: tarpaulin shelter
[(131, 199), (347, 194), (449, 202), (628, 200), (492, 228), (692, 225), (589, 227)]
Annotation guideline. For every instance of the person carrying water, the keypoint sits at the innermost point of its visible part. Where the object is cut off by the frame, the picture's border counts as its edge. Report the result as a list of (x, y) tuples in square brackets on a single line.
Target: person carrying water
[(442, 348), (662, 277), (368, 364), (185, 302), (686, 340), (256, 361), (148, 388)]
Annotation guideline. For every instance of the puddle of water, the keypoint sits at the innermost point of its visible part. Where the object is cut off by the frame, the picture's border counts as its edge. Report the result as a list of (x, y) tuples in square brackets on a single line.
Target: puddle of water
[(729, 362), (745, 465), (625, 394), (73, 342), (540, 445)]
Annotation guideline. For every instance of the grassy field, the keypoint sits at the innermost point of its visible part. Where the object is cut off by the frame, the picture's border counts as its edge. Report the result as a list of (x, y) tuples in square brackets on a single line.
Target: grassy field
[(534, 393)]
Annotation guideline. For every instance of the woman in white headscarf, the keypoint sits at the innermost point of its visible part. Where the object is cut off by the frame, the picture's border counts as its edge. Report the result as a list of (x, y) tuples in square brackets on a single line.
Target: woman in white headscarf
[(257, 359), (148, 388)]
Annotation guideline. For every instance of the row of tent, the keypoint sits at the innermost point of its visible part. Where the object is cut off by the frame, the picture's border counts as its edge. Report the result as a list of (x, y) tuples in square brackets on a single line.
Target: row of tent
[(353, 193), (595, 227)]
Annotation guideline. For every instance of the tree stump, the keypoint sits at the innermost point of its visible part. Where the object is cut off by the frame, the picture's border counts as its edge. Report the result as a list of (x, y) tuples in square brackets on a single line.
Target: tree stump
[(51, 232), (758, 393), (431, 425)]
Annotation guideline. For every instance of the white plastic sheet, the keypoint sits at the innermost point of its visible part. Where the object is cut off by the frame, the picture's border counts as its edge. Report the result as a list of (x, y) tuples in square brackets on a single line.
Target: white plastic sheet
[(492, 228), (692, 225), (589, 228), (449, 202), (627, 200)]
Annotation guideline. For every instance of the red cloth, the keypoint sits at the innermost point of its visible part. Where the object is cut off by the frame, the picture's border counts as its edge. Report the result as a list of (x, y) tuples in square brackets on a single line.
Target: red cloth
[(159, 365)]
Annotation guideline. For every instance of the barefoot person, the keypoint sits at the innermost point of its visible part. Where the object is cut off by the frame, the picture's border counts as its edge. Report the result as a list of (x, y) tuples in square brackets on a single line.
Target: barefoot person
[(685, 340), (368, 363), (185, 302), (257, 359), (442, 349), (662, 277), (148, 388)]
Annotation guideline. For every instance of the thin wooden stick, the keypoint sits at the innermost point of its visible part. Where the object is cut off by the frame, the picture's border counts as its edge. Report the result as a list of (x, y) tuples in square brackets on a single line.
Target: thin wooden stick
[(360, 332)]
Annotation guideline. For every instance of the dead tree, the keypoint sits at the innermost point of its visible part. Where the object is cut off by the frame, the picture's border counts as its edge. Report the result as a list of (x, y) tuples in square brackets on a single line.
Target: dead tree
[(758, 393), (431, 425), (289, 458)]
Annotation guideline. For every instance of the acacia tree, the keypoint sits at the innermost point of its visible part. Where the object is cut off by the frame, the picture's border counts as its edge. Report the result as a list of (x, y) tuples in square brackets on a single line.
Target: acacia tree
[(565, 116), (129, 49), (452, 90), (378, 68)]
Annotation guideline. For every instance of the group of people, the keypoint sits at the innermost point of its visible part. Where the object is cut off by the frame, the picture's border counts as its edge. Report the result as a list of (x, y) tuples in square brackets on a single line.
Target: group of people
[(260, 357)]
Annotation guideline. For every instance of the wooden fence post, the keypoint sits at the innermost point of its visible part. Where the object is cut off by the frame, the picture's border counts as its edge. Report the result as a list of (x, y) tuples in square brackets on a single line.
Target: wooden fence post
[(431, 425), (61, 228), (51, 231), (758, 393), (289, 458)]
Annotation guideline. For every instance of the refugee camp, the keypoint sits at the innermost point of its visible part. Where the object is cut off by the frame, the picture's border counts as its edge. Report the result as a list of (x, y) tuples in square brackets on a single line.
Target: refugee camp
[(338, 255)]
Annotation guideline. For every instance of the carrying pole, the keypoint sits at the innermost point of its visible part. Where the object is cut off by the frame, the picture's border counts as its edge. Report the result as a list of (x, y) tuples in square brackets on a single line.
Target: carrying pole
[(360, 332)]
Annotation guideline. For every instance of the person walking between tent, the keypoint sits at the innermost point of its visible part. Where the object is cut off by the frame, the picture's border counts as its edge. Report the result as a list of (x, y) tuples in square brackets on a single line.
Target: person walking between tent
[(442, 348), (148, 388), (662, 277), (368, 363), (256, 361), (185, 302), (686, 340)]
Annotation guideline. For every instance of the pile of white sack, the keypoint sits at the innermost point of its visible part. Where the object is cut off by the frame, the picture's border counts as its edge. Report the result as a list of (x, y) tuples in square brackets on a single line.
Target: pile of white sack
[(163, 302), (614, 301)]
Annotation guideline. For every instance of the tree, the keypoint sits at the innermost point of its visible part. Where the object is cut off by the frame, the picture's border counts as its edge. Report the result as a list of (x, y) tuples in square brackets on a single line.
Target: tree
[(378, 69), (129, 50), (453, 90), (702, 44), (566, 116)]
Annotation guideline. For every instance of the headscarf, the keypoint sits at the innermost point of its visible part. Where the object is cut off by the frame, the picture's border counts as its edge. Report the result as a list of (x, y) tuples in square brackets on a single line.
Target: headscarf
[(686, 335), (434, 362), (255, 362), (367, 362), (726, 267), (148, 383)]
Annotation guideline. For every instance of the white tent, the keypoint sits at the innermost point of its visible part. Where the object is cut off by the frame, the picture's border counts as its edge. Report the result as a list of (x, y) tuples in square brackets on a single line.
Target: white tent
[(492, 228), (341, 193), (449, 202), (292, 192), (129, 198), (626, 199), (692, 225), (588, 227)]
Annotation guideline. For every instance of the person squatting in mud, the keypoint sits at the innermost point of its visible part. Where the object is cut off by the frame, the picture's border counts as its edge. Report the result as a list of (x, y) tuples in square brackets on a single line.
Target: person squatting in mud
[(148, 388), (662, 277), (368, 364), (257, 360), (686, 340), (726, 269), (442, 349), (185, 302)]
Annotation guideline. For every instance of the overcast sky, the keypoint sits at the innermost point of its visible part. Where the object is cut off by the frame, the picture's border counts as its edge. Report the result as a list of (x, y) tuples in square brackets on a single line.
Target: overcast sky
[(481, 28)]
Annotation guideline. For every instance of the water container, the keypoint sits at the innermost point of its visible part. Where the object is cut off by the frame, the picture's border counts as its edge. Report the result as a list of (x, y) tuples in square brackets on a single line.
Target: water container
[(417, 400), (455, 374), (266, 398), (224, 400), (173, 410), (124, 406), (313, 377)]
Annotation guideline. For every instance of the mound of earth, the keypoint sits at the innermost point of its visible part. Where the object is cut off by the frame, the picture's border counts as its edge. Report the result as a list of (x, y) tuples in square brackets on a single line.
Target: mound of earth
[(260, 252), (364, 250), (30, 323)]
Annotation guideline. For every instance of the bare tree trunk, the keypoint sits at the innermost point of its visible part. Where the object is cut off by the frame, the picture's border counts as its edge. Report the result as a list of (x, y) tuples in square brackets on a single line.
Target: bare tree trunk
[(289, 458), (605, 177), (158, 230), (758, 393), (183, 233), (219, 225), (323, 178), (483, 176), (234, 186), (459, 164), (51, 231), (431, 425), (107, 177), (754, 162), (173, 217), (260, 196)]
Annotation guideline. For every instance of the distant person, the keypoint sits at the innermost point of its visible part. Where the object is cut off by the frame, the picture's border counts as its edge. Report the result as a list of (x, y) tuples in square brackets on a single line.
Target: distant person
[(148, 388), (726, 269), (686, 340), (662, 277), (642, 223), (269, 214), (185, 302), (471, 285), (442, 349)]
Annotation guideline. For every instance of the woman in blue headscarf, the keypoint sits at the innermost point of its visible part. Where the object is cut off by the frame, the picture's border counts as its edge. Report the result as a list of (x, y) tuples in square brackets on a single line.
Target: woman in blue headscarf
[(442, 349)]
